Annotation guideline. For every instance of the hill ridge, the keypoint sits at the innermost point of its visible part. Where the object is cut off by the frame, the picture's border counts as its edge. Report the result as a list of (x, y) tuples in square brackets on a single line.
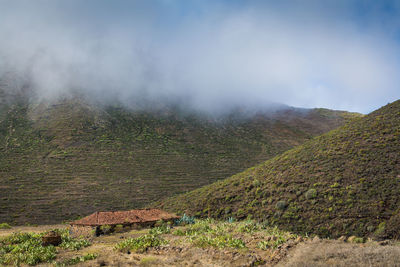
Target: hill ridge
[(344, 182)]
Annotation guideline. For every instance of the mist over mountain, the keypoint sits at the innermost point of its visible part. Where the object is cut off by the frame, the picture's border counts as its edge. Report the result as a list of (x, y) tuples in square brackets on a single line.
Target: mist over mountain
[(207, 55)]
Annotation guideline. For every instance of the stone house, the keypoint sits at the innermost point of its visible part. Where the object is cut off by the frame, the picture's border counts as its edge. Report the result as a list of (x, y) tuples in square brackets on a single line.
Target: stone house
[(104, 222)]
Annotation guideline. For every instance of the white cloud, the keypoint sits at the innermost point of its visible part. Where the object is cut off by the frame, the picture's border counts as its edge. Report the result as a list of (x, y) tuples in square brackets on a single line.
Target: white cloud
[(215, 61)]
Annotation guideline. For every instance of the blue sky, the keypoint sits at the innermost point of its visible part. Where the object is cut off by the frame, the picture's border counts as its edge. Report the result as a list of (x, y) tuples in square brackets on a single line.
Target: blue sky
[(211, 55)]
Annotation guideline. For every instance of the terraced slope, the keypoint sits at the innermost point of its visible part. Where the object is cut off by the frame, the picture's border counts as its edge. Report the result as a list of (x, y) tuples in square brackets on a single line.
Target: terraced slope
[(345, 182), (69, 159)]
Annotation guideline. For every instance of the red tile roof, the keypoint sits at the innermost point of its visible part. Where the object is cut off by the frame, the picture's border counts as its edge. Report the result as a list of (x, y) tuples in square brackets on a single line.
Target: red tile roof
[(124, 217)]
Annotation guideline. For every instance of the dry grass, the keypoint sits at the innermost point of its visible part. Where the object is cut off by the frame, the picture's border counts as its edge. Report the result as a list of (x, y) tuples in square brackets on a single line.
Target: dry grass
[(336, 253)]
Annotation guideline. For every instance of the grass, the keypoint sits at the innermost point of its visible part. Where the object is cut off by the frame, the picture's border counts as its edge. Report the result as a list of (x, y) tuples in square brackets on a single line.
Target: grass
[(218, 241), (141, 244), (345, 182), (76, 260)]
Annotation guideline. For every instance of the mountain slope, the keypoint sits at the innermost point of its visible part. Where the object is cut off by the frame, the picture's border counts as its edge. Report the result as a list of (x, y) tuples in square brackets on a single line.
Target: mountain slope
[(345, 182), (70, 158)]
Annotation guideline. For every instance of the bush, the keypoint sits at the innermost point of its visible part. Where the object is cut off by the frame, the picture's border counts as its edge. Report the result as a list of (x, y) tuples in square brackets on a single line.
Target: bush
[(119, 228), (5, 226), (185, 220), (160, 230), (380, 231), (106, 229), (392, 228), (281, 205), (231, 220), (311, 193)]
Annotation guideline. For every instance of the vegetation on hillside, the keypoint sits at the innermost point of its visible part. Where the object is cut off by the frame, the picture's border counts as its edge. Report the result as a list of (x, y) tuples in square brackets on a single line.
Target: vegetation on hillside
[(68, 159), (345, 182)]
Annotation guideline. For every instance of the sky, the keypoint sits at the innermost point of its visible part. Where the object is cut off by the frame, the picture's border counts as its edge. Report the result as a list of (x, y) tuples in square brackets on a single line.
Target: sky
[(208, 55)]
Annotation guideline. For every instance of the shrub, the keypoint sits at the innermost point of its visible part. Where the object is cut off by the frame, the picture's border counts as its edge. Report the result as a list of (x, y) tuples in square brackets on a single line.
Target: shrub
[(5, 226), (256, 183), (141, 244), (281, 205), (106, 229), (392, 228), (380, 231), (185, 220), (160, 230), (311, 193), (119, 228), (231, 220)]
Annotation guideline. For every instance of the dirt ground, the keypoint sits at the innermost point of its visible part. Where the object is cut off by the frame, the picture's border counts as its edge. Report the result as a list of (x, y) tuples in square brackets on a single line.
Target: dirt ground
[(308, 252), (342, 254)]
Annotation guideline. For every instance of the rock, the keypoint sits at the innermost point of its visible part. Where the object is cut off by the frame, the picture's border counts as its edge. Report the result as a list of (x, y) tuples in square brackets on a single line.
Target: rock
[(51, 238)]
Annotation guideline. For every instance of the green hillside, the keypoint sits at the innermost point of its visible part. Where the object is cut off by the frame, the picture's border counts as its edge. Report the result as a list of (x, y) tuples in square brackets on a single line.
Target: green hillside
[(345, 182), (68, 159)]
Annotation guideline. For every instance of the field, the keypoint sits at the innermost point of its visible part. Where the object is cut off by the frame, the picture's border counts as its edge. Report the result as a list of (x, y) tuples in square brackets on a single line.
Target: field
[(205, 243)]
